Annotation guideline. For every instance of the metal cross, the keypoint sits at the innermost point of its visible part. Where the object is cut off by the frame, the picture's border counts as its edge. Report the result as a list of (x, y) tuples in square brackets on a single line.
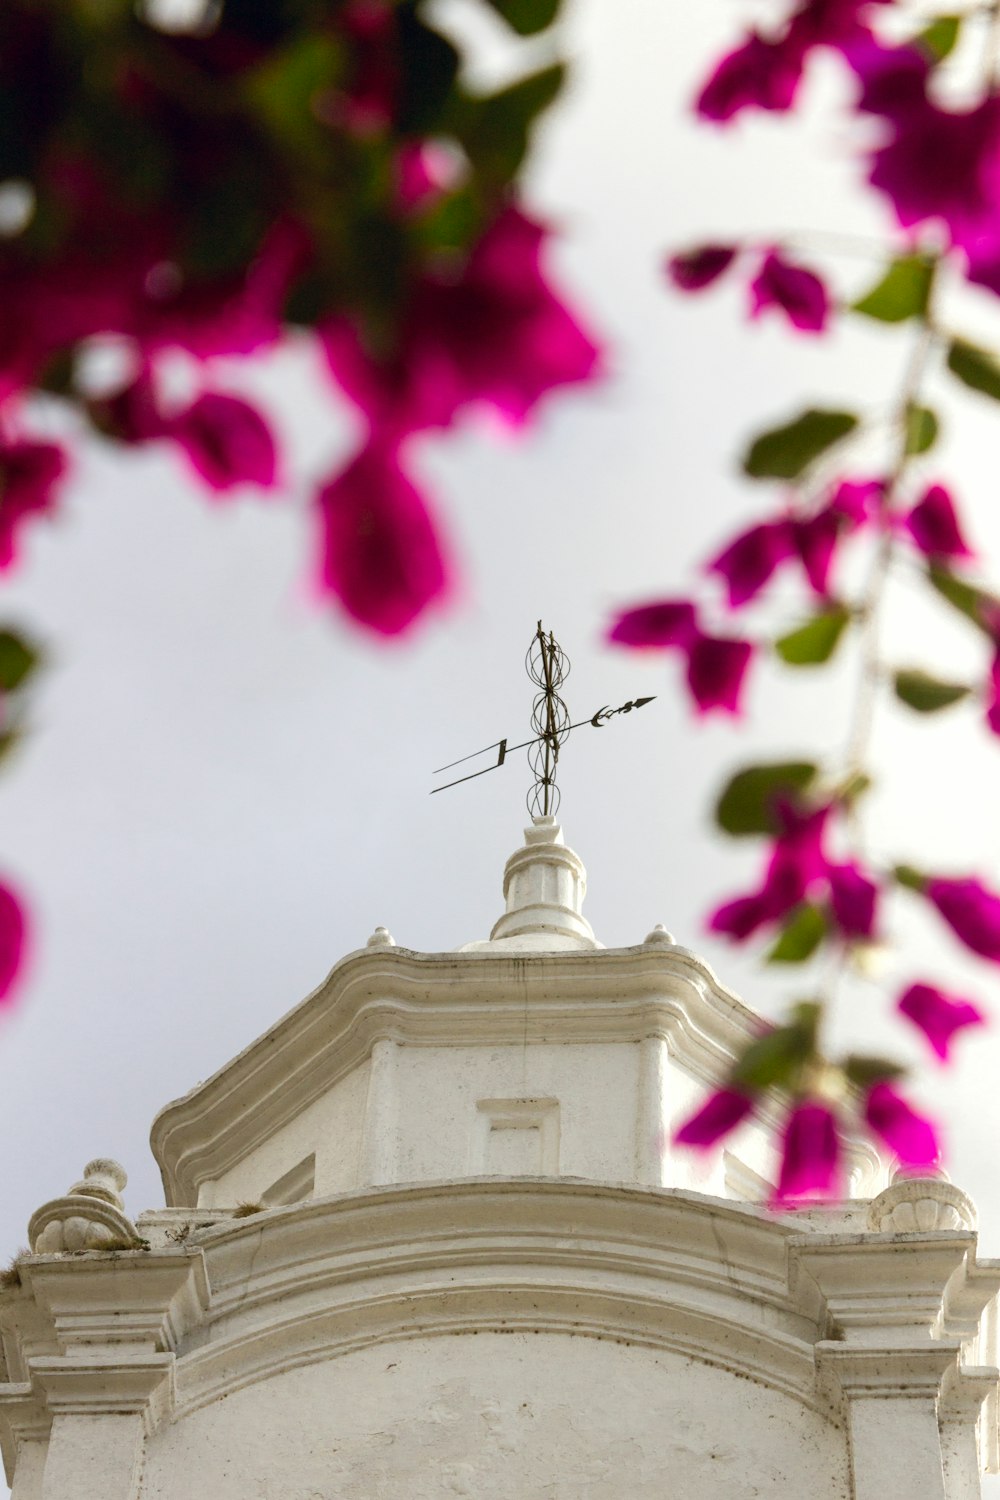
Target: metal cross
[(548, 667)]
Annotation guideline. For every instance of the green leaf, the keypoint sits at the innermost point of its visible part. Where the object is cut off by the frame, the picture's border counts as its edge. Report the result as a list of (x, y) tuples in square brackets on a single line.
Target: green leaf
[(777, 1057), (854, 787), (814, 642), (926, 694), (864, 1071), (922, 428), (9, 740), (747, 802), (527, 17), (495, 131), (784, 452), (18, 660), (940, 37), (909, 877), (976, 368), (964, 597), (800, 936), (283, 87), (429, 67), (902, 292)]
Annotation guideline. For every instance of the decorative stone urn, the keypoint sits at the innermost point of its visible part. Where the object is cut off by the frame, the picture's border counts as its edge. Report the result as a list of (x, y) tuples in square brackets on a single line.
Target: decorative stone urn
[(90, 1217)]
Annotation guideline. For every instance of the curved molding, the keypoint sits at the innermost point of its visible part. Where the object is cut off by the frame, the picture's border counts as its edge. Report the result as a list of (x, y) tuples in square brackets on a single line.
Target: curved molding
[(618, 994), (670, 1271)]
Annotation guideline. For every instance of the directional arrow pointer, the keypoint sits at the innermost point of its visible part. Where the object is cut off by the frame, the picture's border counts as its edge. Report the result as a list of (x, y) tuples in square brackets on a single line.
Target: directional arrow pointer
[(597, 721)]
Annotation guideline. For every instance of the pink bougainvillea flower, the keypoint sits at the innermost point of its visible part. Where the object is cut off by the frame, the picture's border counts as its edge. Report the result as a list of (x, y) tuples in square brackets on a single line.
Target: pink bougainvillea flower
[(379, 549), (748, 562), (131, 415), (971, 911), (696, 269), (993, 702), (759, 74), (810, 1156), (751, 559), (933, 525), (795, 866), (236, 314), (12, 941), (29, 477), (668, 622), (939, 1016), (852, 899), (227, 441), (764, 72), (423, 171), (495, 334), (911, 1136), (721, 1113), (793, 290), (716, 669), (716, 665), (798, 869), (938, 164)]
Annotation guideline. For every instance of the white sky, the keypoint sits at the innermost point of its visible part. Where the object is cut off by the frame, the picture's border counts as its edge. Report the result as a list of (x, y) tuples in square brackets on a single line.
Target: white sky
[(227, 788)]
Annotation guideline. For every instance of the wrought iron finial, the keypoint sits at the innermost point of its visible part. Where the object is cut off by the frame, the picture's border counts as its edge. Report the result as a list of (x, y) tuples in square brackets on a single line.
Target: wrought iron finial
[(548, 667)]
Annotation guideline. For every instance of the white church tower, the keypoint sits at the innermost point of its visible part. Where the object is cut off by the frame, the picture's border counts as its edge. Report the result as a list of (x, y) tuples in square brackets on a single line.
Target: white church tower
[(427, 1238)]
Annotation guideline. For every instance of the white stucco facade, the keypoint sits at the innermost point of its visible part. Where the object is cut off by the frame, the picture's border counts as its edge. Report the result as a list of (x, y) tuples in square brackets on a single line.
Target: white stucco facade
[(427, 1237)]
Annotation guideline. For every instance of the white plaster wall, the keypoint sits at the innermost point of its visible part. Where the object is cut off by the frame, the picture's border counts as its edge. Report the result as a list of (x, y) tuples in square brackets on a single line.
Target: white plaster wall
[(494, 1417), (331, 1127), (440, 1127)]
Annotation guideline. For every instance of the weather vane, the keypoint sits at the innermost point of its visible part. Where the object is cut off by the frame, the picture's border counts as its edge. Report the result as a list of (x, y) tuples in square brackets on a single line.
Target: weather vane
[(548, 667)]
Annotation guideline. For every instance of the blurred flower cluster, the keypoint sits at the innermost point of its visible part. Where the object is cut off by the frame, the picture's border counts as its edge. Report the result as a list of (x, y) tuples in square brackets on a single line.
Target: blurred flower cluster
[(841, 529), (272, 169)]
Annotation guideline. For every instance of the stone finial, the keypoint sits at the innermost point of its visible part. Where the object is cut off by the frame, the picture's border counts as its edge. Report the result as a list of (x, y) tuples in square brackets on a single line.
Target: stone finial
[(913, 1205), (381, 938), (90, 1217), (544, 884), (659, 938)]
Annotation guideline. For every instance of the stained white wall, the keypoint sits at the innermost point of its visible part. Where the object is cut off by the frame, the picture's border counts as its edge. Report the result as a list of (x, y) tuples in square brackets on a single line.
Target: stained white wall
[(495, 1416)]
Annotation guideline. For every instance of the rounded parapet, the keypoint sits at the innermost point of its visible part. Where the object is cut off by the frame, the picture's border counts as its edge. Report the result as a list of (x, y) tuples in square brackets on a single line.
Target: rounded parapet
[(90, 1217), (912, 1205)]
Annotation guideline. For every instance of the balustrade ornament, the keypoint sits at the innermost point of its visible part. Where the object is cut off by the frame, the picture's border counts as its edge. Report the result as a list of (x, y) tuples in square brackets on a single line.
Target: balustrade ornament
[(90, 1217)]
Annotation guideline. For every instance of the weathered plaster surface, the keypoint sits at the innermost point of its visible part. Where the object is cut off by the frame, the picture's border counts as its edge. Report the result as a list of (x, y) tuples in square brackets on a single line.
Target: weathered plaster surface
[(492, 1417)]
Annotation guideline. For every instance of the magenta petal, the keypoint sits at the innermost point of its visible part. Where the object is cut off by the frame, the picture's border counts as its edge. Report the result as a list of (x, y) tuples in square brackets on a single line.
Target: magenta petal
[(668, 622), (721, 1113), (29, 475), (495, 334), (380, 552), (939, 1016), (227, 441), (758, 75), (852, 897), (697, 269), (815, 542), (933, 525), (811, 1152), (993, 705), (740, 919), (796, 292), (857, 501), (908, 1134), (748, 562), (971, 911), (12, 941), (716, 668)]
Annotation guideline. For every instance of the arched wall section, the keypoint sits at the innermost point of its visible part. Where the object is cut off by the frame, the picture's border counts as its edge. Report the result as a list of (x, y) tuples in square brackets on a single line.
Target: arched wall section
[(540, 1416)]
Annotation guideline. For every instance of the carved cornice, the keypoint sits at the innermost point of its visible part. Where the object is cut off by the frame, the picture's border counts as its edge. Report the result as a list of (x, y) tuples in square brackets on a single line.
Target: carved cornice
[(820, 1317), (488, 999)]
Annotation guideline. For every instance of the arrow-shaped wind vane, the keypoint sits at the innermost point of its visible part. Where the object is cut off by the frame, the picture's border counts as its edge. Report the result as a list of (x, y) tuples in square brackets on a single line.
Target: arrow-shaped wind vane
[(548, 667)]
